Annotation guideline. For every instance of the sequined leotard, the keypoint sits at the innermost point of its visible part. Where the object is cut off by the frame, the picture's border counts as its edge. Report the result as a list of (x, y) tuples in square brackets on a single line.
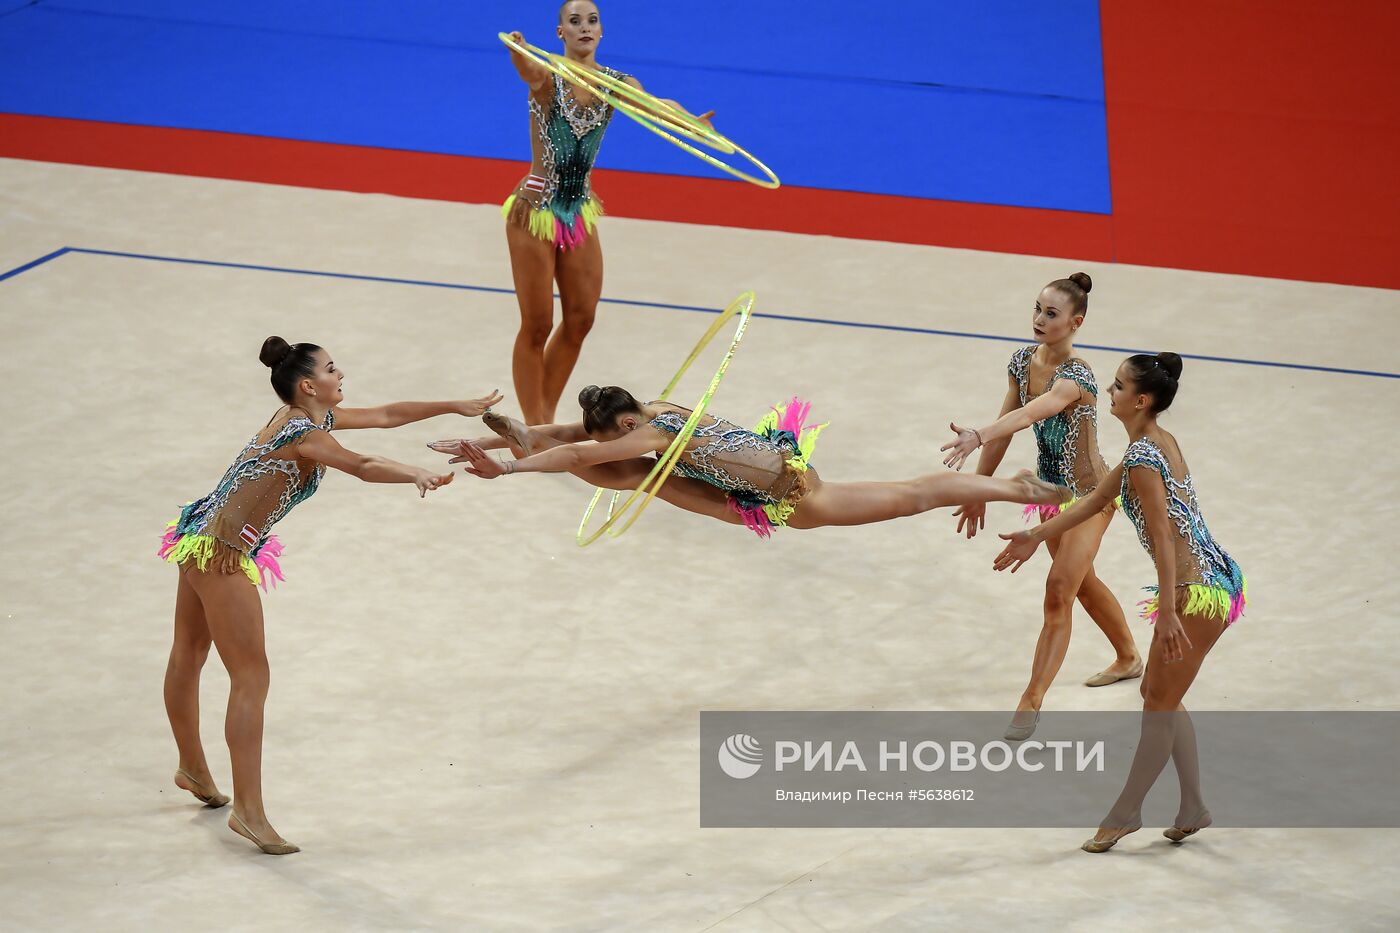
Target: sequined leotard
[(763, 470), (1067, 443), (1215, 582), (564, 141), (232, 526)]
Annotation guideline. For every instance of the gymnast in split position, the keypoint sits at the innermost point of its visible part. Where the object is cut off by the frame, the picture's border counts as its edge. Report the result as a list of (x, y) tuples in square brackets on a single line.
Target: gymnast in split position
[(1053, 392), (551, 216), (1200, 589), (224, 546), (763, 475)]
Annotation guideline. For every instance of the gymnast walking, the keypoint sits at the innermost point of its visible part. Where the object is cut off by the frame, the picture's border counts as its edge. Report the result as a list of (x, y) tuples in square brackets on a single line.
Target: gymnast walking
[(1053, 392), (551, 216), (764, 474), (1204, 588), (224, 546)]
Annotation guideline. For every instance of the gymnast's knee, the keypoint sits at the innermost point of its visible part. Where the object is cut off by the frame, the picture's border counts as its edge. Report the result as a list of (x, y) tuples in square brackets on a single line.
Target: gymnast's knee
[(1060, 593), (534, 334), (191, 651), (577, 323)]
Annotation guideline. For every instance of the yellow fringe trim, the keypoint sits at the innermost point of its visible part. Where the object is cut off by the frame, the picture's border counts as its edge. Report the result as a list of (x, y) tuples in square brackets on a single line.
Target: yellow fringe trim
[(1213, 602), (202, 548), (779, 512), (543, 224)]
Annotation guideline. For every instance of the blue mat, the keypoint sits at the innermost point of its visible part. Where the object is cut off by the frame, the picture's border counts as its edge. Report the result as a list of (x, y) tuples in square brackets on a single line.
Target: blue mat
[(995, 102)]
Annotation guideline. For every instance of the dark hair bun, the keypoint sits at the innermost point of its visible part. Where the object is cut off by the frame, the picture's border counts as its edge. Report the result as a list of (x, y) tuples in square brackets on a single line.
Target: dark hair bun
[(1083, 281), (588, 397), (1171, 363), (274, 352)]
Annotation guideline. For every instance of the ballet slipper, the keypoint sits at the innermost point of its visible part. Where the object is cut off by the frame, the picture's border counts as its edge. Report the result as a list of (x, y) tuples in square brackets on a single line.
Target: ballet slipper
[(1103, 845), (271, 848), (212, 801), (1179, 833), (513, 431), (1104, 678), (1015, 733)]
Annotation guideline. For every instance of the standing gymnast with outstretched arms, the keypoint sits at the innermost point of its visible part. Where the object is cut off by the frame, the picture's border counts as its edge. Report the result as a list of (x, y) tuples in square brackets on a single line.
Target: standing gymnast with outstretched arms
[(1053, 392), (224, 546), (552, 214), (1200, 589)]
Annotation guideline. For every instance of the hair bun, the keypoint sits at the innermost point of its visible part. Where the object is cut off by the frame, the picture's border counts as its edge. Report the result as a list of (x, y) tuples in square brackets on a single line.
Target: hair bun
[(588, 397), (1171, 363), (274, 352), (1083, 281)]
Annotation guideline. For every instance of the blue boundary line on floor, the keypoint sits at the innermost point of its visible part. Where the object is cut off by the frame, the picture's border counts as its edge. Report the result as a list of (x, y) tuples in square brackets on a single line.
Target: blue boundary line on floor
[(31, 265), (801, 319)]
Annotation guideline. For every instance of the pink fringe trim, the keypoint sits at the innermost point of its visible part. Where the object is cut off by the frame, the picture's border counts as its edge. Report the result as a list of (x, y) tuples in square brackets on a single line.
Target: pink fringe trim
[(1236, 607), (269, 568), (168, 542), (755, 519), (267, 564), (794, 416), (571, 235), (1046, 512)]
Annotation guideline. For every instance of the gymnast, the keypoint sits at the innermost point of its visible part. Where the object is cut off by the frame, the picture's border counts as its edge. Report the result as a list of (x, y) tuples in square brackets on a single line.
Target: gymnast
[(764, 475), (223, 544), (551, 215), (1054, 393), (1204, 588)]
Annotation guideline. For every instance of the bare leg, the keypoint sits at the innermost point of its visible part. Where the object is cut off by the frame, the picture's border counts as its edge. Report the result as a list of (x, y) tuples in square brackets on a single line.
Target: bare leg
[(864, 503), (188, 653), (234, 614), (580, 275), (1073, 555), (1188, 769), (532, 268), (1164, 686), (1103, 607)]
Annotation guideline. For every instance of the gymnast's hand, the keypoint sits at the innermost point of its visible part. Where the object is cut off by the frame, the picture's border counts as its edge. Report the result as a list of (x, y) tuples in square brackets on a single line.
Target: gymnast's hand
[(427, 481), (476, 407), (456, 447), (481, 463), (973, 516), (1016, 553), (962, 447), (1170, 632)]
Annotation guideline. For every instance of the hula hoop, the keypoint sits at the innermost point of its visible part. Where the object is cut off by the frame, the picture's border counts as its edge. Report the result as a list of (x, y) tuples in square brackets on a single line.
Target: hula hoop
[(711, 138), (581, 77), (654, 118), (666, 463), (609, 88)]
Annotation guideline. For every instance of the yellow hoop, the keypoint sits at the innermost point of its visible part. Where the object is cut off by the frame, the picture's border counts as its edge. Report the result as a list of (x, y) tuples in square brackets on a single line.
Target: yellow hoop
[(709, 137), (653, 118), (666, 463), (582, 77), (641, 106)]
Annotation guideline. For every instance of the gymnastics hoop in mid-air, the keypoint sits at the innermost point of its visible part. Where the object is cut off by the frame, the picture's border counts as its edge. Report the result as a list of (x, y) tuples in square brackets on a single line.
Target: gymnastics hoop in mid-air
[(666, 463), (651, 112)]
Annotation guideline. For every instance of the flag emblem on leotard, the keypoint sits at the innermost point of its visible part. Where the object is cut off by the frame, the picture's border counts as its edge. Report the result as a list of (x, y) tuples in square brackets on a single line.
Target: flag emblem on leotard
[(249, 534)]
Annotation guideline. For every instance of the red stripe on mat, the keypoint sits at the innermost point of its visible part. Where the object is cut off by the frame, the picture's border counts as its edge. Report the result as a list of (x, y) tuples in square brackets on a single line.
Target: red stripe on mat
[(626, 194)]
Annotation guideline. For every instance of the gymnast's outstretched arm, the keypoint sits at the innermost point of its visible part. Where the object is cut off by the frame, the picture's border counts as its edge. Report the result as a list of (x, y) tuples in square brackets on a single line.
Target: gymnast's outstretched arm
[(559, 433), (622, 475), (398, 414)]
